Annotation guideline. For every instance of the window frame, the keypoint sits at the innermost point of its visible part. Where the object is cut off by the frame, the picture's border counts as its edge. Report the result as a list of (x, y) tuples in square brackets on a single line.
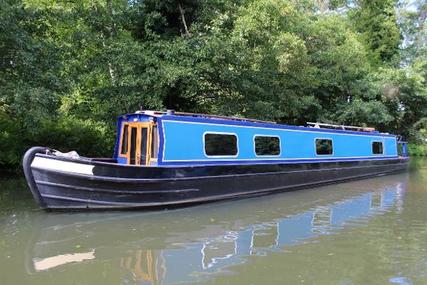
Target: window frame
[(220, 133), (372, 148), (139, 125), (315, 146), (124, 155), (155, 142), (267, 155)]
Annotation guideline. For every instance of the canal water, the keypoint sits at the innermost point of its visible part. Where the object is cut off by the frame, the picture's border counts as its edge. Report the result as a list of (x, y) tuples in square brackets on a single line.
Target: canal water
[(365, 232)]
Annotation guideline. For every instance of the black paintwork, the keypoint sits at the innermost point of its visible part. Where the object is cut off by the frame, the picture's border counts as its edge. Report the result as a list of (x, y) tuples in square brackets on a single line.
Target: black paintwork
[(121, 186)]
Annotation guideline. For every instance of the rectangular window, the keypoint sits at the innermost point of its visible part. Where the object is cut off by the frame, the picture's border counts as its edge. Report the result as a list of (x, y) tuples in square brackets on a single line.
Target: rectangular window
[(324, 147), (133, 134), (377, 148), (220, 144), (267, 145), (124, 147), (154, 142), (143, 147)]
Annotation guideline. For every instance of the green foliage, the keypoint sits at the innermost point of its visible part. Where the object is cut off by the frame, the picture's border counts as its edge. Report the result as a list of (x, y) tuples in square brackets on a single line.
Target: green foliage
[(69, 68), (63, 133), (10, 142), (85, 136), (413, 15), (376, 20), (417, 149)]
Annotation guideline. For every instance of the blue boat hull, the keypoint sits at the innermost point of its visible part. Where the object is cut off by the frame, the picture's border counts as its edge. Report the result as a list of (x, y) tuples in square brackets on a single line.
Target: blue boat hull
[(63, 183)]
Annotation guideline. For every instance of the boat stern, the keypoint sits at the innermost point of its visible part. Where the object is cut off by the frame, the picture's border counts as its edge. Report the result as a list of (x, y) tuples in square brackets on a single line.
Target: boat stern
[(26, 165)]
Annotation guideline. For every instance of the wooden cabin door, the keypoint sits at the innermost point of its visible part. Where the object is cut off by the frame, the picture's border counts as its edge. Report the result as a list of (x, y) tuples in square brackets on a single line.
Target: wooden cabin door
[(139, 143)]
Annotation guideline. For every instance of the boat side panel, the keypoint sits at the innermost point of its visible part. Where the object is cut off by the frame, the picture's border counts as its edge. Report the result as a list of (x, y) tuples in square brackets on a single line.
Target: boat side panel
[(72, 190), (111, 171), (390, 146), (183, 142)]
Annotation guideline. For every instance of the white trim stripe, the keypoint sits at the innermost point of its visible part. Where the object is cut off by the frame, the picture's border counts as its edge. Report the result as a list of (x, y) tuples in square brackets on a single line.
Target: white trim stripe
[(285, 159), (65, 166)]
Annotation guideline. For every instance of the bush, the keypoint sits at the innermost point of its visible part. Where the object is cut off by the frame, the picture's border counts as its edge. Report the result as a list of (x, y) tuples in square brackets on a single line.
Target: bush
[(64, 133), (417, 149), (87, 137), (11, 142)]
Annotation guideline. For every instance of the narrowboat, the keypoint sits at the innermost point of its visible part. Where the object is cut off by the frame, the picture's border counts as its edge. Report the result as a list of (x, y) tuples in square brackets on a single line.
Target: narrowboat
[(164, 159), (210, 239)]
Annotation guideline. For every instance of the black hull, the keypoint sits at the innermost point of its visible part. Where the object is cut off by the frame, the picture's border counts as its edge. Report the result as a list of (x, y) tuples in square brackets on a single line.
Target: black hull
[(113, 186)]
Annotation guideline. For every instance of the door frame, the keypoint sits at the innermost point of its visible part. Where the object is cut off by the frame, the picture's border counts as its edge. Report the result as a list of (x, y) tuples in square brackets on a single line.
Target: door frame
[(139, 126)]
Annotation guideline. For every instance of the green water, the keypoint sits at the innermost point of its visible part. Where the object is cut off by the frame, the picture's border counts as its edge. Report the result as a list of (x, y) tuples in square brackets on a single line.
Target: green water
[(365, 232)]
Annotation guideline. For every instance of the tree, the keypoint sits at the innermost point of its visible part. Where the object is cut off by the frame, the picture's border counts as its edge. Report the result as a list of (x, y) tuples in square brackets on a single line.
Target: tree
[(376, 20)]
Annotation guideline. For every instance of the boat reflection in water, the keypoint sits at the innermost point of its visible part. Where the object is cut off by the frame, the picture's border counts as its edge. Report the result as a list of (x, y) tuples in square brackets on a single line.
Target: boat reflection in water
[(187, 245)]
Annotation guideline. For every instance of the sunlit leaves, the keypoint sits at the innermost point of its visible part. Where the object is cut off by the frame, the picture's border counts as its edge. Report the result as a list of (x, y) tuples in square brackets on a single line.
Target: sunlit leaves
[(69, 68)]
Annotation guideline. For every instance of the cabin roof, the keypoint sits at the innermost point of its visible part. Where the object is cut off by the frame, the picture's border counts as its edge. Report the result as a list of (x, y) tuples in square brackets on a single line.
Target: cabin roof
[(225, 120), (198, 115)]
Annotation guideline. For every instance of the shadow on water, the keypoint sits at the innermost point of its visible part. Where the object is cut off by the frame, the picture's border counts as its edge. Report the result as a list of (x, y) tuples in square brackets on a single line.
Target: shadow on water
[(14, 195)]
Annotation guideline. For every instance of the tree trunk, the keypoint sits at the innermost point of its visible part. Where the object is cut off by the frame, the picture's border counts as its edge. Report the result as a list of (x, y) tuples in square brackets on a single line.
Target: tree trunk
[(184, 22), (112, 28), (112, 34)]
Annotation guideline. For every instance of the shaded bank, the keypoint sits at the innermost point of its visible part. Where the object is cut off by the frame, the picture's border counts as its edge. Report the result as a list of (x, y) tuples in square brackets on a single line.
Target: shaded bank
[(417, 149)]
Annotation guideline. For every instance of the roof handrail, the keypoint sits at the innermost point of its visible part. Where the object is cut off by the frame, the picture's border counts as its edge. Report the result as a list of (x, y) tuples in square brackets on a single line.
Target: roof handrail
[(342, 127)]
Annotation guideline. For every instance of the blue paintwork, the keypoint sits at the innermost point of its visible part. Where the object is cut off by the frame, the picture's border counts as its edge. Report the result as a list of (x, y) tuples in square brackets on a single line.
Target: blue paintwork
[(181, 141), (118, 128), (404, 148)]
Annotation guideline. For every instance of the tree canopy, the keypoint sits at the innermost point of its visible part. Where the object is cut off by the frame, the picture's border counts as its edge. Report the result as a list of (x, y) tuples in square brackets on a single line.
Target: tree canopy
[(69, 68)]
